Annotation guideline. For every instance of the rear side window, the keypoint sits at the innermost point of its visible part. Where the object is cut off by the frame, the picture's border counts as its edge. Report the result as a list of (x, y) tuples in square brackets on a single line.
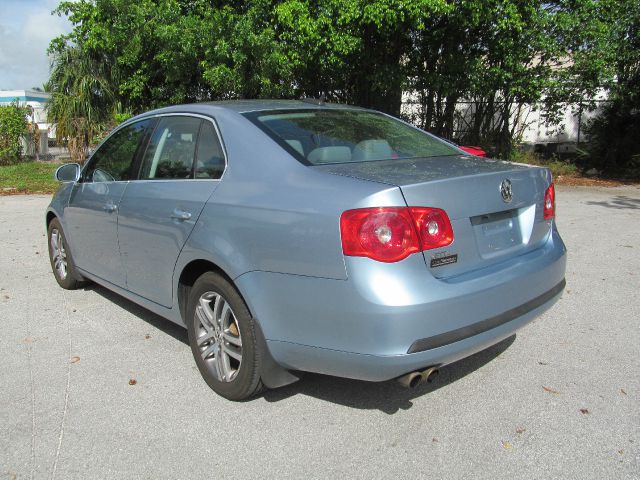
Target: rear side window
[(172, 148), (338, 136), (210, 157), (113, 161)]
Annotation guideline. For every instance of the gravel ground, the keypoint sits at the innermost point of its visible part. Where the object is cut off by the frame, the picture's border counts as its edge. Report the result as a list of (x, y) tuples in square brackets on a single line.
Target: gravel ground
[(93, 386)]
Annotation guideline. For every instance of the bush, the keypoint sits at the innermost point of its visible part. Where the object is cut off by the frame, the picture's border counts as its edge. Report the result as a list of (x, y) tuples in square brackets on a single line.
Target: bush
[(614, 141), (557, 166), (13, 124)]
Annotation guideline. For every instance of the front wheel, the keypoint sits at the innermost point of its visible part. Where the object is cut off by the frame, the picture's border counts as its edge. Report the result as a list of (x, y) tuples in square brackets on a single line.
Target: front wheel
[(222, 338), (60, 257)]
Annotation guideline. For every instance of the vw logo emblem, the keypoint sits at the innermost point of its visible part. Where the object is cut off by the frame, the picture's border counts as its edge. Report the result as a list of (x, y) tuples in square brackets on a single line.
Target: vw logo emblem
[(505, 190)]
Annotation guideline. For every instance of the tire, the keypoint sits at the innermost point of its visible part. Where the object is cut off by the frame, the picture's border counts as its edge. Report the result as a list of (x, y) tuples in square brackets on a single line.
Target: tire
[(64, 270), (223, 338)]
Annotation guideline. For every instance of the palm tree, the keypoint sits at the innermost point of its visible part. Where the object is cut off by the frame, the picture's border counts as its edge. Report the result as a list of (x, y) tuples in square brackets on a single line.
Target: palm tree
[(82, 100)]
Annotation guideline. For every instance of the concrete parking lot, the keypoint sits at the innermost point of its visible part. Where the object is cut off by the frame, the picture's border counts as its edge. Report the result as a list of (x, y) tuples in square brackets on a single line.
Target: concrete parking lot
[(92, 386)]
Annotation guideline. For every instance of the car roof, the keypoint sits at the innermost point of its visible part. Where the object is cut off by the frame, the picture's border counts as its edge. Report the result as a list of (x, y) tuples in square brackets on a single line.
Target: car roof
[(241, 107), (245, 106)]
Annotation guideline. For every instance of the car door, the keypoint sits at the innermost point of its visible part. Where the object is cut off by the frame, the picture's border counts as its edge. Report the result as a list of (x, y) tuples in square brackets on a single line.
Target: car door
[(180, 169), (91, 215)]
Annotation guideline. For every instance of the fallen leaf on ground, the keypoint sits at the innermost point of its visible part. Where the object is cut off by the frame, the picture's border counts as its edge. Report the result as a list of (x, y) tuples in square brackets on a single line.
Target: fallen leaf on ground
[(520, 430), (75, 359), (132, 381), (147, 336), (506, 445), (550, 390), (7, 296), (584, 410)]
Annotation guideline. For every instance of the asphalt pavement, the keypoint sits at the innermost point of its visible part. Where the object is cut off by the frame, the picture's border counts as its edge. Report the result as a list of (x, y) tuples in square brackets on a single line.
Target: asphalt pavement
[(93, 386)]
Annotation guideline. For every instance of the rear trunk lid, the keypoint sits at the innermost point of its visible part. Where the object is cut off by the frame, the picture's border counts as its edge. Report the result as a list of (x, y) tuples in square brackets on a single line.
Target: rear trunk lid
[(488, 228)]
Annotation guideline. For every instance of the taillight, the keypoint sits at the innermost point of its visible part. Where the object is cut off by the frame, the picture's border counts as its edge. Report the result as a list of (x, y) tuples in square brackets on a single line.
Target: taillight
[(433, 226), (383, 234), (390, 234), (550, 202)]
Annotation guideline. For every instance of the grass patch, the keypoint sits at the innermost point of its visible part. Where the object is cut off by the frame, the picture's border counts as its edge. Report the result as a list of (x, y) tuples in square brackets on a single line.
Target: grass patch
[(28, 177), (558, 167)]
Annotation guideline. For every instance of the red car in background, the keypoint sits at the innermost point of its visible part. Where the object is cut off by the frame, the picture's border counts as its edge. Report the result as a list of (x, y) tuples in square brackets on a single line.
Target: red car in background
[(473, 150), (477, 151)]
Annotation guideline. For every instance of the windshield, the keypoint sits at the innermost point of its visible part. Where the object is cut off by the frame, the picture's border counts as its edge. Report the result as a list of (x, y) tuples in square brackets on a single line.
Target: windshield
[(318, 137)]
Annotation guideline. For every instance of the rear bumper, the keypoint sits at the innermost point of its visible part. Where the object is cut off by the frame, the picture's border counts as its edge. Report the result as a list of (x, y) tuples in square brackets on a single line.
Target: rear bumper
[(488, 323), (378, 368), (390, 319)]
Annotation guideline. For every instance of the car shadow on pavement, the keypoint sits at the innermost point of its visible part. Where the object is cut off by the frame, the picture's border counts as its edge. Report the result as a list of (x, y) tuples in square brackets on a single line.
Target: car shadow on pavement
[(388, 397), (620, 202), (156, 321)]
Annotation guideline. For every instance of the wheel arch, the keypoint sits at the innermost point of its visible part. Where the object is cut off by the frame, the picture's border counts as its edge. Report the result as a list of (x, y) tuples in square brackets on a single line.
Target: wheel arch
[(50, 216), (272, 374), (188, 276)]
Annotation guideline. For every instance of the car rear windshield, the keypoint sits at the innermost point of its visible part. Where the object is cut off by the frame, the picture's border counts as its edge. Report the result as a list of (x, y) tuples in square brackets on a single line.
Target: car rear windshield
[(318, 137)]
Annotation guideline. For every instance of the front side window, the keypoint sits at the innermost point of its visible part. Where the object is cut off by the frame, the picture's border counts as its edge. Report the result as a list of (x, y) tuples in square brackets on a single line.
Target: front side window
[(338, 136), (113, 161), (172, 149)]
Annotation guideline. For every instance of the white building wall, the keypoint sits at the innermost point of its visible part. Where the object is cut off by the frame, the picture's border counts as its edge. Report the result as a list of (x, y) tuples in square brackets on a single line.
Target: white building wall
[(570, 128), (535, 128), (34, 99), (37, 101)]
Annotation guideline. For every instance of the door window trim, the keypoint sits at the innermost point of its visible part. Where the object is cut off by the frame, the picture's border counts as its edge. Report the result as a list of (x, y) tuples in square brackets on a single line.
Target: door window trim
[(142, 146)]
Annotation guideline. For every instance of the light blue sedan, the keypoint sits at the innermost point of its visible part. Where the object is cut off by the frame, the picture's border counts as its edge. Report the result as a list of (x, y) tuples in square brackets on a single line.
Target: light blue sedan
[(294, 236)]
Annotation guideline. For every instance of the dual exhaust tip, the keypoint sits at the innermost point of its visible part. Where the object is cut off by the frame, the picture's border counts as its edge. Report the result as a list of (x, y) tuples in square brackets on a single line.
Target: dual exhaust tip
[(413, 379)]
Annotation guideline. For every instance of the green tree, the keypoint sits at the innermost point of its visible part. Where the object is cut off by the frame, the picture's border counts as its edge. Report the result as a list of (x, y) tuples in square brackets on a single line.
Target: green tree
[(82, 100), (500, 54), (13, 124), (613, 144), (242, 56), (353, 51)]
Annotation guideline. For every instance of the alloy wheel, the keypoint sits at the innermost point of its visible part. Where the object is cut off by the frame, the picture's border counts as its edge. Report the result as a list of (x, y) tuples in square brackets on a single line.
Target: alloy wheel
[(218, 336), (59, 253)]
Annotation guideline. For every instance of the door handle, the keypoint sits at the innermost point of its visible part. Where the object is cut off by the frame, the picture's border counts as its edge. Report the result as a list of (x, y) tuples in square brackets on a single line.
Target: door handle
[(180, 214), (110, 207)]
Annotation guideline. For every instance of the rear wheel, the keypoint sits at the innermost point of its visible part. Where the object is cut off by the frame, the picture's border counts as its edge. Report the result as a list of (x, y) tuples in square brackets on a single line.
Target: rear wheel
[(222, 337), (64, 269)]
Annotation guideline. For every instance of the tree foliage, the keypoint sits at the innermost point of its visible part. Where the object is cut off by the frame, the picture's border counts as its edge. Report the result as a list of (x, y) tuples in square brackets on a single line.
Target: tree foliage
[(82, 98), (615, 133), (500, 54), (13, 124)]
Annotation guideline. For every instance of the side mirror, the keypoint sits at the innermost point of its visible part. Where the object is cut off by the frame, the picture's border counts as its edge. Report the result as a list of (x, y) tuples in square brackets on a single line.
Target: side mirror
[(69, 172)]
